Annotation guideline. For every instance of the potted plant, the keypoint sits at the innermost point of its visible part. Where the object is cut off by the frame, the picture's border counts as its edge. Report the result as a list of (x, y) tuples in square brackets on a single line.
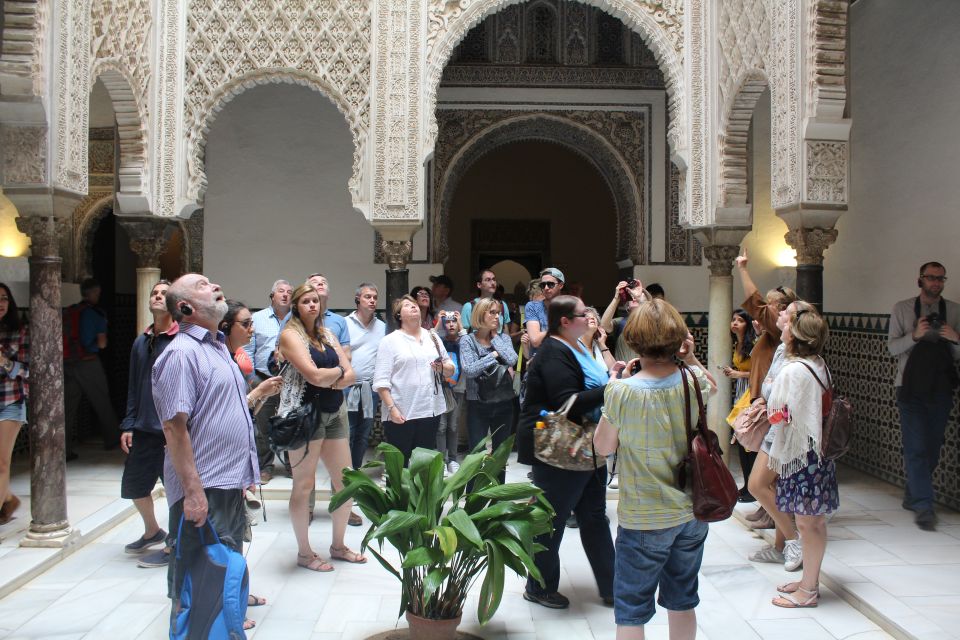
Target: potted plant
[(448, 531)]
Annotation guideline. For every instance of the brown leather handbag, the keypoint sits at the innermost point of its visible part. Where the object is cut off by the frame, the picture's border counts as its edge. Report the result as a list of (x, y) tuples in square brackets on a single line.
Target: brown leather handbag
[(713, 488)]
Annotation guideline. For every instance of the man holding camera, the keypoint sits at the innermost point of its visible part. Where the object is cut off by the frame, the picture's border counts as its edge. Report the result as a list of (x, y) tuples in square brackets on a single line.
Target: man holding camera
[(924, 336)]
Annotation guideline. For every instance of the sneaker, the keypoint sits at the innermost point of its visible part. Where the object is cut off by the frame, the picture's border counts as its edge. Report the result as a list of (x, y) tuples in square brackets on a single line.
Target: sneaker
[(767, 554), (549, 600), (155, 560), (452, 467), (926, 520), (614, 482), (756, 515), (793, 555), (142, 544)]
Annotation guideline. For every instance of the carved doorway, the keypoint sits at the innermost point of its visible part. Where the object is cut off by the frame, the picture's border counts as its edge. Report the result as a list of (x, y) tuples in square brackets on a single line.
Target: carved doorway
[(525, 242)]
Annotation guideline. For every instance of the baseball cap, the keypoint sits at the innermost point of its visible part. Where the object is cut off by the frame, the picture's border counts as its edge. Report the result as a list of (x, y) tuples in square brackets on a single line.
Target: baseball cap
[(553, 271), (442, 279)]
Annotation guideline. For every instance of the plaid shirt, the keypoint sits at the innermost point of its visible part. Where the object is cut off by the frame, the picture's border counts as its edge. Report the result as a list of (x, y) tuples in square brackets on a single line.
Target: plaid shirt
[(16, 346)]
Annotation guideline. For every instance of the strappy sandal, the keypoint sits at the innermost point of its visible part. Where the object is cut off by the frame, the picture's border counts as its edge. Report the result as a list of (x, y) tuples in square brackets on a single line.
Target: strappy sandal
[(255, 601), (249, 624), (314, 562), (792, 601), (347, 555), (791, 587)]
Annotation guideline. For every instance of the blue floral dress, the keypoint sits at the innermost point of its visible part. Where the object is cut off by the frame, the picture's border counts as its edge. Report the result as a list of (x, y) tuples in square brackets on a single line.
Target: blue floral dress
[(812, 491)]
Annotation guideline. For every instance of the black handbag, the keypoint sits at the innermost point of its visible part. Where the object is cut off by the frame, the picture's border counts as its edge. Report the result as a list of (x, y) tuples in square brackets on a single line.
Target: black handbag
[(293, 430), (494, 384)]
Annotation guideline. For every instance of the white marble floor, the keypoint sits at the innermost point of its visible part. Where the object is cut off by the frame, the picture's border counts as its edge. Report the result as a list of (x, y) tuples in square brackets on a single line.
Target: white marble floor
[(98, 591)]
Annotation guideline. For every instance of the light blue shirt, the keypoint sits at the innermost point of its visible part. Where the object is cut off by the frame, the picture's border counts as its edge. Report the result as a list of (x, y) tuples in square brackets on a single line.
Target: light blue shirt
[(266, 329), (364, 341), (594, 374), (534, 310), (338, 326), (468, 309)]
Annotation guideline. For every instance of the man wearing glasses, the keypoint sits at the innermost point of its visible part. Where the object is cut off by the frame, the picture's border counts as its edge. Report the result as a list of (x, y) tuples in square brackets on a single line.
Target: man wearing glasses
[(535, 312), (142, 433), (487, 285), (924, 337)]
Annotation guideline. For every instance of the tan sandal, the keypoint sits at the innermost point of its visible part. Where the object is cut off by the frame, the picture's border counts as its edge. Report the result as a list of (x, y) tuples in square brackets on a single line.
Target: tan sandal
[(314, 562), (792, 601), (791, 587), (347, 555)]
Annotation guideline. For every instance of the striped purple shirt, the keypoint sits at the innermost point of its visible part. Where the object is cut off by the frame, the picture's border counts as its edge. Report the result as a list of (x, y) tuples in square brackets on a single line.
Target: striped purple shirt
[(195, 375)]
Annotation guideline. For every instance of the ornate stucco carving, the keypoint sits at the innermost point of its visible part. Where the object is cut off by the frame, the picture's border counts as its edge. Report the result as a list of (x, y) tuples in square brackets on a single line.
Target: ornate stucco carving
[(721, 259), (24, 151), (733, 135), (148, 239), (810, 244), (169, 105), (785, 101), (120, 53), (71, 94), (660, 22), (697, 179), (613, 141), (233, 45), (826, 171), (827, 58), (397, 253), (24, 36), (45, 234), (84, 223)]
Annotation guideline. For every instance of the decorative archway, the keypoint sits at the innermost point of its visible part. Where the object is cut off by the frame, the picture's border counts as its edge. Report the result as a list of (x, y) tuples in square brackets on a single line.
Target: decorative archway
[(579, 131), (86, 219), (197, 136), (660, 24), (734, 134)]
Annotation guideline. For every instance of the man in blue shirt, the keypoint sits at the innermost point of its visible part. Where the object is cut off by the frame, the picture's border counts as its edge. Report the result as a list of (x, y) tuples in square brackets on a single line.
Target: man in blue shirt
[(266, 328), (487, 284), (83, 373), (535, 312), (331, 320)]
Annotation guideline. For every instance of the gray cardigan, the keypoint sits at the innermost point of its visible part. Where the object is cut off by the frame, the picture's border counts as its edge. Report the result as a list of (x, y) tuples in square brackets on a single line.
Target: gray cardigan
[(472, 363)]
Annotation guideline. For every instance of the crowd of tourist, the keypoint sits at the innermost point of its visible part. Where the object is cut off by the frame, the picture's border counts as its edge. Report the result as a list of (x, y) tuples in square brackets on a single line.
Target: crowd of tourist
[(208, 374)]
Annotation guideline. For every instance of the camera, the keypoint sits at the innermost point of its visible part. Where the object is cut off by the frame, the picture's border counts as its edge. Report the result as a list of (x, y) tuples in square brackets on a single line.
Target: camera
[(936, 322), (625, 292)]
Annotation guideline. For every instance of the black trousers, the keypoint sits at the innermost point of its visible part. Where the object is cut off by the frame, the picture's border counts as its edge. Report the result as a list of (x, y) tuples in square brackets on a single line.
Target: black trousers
[(419, 432), (585, 494)]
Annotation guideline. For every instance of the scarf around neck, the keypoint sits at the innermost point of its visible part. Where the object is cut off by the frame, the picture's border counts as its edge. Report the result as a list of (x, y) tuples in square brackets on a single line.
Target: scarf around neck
[(797, 400)]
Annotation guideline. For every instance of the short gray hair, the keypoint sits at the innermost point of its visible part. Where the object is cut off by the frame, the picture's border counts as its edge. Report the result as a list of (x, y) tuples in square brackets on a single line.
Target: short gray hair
[(366, 285), (276, 284)]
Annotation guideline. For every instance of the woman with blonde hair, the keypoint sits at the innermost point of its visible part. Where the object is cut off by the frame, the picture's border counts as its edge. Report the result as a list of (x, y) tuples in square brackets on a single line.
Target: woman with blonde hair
[(807, 482), (595, 339), (318, 373), (659, 542)]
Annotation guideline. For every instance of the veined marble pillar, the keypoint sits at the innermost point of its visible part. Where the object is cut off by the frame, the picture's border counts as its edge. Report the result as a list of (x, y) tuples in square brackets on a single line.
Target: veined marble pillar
[(810, 245), (49, 526), (398, 276), (719, 340), (148, 240)]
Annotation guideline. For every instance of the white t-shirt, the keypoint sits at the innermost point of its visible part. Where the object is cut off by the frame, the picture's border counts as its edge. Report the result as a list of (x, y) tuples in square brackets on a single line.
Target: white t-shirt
[(403, 366)]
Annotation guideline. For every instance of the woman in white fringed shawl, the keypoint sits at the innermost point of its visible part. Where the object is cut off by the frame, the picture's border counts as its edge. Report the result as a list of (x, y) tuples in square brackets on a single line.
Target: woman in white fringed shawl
[(807, 483)]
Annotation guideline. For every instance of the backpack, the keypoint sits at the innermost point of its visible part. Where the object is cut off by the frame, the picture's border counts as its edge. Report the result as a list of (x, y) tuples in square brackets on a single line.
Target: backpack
[(72, 346), (838, 423), (212, 602)]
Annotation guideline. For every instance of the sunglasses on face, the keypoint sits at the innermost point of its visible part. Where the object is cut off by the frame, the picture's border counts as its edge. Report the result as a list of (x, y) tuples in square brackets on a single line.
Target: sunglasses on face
[(549, 285)]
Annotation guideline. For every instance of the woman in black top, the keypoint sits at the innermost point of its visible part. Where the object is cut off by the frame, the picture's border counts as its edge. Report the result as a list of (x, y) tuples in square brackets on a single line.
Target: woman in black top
[(554, 375)]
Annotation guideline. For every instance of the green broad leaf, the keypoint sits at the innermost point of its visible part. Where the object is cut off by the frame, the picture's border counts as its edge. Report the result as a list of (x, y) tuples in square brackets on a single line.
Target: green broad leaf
[(399, 521), (422, 463), (512, 491), (468, 469), (520, 530), (363, 491), (482, 445), (462, 523), (433, 581), (502, 454), (421, 557), (447, 537), (393, 461), (491, 591), (385, 564), (515, 550), (497, 510)]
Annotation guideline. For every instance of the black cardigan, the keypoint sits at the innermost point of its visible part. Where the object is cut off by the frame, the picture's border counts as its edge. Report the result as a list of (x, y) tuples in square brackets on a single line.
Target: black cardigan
[(553, 376)]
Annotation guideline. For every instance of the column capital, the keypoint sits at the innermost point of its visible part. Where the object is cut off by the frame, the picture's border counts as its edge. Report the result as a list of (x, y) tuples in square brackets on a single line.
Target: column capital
[(721, 258), (148, 238), (397, 253), (45, 233), (810, 244)]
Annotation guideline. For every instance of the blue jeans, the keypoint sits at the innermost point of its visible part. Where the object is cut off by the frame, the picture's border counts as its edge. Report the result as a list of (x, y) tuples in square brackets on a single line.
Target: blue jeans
[(360, 432), (668, 558), (492, 417), (922, 426)]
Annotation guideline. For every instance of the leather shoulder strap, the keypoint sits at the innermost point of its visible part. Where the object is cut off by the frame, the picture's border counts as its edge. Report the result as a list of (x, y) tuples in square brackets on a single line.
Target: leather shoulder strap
[(822, 386)]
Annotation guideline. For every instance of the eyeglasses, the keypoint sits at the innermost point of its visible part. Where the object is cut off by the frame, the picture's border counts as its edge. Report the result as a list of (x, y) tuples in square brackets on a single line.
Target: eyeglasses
[(934, 278), (546, 284), (578, 315), (246, 324)]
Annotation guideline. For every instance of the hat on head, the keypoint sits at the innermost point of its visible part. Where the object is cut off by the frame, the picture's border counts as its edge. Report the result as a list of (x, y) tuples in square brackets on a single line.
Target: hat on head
[(553, 271), (442, 279)]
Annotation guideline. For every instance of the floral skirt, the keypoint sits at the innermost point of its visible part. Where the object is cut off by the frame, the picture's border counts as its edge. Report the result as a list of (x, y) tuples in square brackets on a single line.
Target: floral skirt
[(812, 491)]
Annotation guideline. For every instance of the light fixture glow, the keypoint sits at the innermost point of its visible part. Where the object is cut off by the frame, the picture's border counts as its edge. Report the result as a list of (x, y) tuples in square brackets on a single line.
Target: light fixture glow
[(787, 258)]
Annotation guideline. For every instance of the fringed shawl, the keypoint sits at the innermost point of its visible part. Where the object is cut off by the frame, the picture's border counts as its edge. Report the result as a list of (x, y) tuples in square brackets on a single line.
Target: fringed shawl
[(797, 396)]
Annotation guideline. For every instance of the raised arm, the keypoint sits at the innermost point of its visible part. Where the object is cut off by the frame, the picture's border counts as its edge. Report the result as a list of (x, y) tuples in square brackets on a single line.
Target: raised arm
[(749, 287)]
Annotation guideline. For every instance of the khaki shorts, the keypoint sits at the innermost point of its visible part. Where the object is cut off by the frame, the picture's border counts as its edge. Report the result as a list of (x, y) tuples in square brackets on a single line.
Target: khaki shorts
[(332, 426)]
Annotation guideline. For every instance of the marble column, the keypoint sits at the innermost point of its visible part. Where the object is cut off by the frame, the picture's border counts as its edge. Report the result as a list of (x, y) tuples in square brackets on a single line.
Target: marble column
[(810, 245), (397, 253), (49, 526), (148, 240), (719, 340)]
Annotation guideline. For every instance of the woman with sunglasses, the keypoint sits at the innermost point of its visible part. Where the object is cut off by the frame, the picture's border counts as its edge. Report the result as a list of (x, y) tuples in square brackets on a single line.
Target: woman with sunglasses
[(563, 367), (424, 298)]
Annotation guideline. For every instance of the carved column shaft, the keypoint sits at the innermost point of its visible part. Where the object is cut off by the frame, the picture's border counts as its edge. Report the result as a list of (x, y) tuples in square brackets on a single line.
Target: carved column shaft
[(810, 245), (398, 276), (148, 241), (719, 340), (48, 495)]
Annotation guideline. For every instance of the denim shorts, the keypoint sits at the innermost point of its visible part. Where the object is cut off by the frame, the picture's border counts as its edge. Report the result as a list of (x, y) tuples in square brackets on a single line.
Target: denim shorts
[(669, 558), (16, 411)]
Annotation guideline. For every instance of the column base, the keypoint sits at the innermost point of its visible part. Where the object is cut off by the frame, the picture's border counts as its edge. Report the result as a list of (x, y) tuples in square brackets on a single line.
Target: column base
[(51, 536)]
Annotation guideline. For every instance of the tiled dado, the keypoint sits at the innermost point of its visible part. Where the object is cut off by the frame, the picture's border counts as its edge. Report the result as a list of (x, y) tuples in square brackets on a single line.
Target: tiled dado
[(864, 372)]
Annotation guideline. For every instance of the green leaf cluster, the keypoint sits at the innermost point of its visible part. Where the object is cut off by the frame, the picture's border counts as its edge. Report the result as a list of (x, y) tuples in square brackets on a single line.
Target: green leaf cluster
[(450, 531)]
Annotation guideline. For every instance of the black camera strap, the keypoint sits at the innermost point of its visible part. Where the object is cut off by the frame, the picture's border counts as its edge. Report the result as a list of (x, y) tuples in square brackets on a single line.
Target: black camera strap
[(942, 310)]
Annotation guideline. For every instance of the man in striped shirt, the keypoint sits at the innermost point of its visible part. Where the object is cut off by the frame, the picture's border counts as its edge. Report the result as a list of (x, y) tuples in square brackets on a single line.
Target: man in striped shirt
[(201, 399)]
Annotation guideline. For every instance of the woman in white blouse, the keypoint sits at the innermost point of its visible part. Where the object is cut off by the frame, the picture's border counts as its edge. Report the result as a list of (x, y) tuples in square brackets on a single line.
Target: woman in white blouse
[(406, 378)]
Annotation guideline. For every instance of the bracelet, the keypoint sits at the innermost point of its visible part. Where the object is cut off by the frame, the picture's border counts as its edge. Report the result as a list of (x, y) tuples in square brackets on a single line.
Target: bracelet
[(604, 350)]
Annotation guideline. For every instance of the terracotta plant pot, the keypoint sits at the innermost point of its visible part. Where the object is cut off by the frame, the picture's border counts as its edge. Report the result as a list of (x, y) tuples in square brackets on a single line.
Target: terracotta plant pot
[(427, 629)]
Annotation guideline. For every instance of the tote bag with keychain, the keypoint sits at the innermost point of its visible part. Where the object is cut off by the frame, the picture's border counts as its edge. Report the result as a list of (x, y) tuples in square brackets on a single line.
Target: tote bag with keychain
[(713, 489), (561, 442)]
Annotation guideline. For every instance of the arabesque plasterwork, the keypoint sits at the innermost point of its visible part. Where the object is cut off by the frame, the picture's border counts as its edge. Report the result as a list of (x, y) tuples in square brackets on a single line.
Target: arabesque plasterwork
[(71, 93)]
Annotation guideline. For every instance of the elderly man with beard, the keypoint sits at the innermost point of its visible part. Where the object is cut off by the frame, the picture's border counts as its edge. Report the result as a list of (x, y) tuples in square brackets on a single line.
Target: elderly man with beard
[(201, 400)]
